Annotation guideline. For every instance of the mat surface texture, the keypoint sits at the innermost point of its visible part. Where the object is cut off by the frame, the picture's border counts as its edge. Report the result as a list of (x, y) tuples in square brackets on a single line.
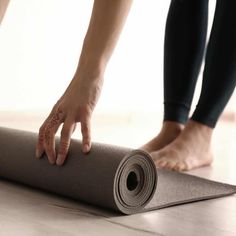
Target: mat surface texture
[(112, 177)]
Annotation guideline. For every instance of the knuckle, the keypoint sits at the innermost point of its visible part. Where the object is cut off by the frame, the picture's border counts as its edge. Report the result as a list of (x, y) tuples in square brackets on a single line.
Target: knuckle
[(41, 129), (65, 132), (40, 138), (86, 134), (47, 133), (63, 149), (56, 107), (85, 128), (62, 152), (48, 137), (64, 145)]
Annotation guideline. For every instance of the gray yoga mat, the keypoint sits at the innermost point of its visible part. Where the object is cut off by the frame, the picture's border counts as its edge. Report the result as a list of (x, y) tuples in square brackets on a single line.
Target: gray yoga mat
[(109, 176)]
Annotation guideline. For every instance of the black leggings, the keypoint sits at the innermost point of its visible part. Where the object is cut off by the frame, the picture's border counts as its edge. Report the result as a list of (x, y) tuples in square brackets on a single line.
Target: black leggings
[(185, 40)]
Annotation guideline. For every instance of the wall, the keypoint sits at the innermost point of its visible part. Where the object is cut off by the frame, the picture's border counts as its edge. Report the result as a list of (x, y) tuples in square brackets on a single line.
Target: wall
[(40, 42)]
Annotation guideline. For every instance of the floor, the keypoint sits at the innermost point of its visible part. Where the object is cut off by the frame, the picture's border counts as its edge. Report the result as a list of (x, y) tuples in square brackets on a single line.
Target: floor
[(25, 211)]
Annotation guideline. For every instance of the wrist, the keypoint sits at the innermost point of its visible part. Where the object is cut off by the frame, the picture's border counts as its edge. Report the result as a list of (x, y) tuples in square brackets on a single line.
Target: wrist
[(89, 69), (93, 58)]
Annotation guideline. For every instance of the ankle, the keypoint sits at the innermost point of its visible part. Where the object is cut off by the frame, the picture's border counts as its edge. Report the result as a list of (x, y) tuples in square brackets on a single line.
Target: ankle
[(199, 127), (172, 127)]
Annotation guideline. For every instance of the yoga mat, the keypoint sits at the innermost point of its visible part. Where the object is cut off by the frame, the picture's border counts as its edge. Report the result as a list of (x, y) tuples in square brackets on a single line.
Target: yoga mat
[(109, 176)]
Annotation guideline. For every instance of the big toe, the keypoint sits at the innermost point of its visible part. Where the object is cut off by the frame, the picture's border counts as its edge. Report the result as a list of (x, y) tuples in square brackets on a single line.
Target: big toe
[(170, 164), (180, 166)]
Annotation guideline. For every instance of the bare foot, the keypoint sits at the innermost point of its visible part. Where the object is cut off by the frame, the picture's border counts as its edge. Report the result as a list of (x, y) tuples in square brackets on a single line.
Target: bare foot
[(191, 149), (170, 130)]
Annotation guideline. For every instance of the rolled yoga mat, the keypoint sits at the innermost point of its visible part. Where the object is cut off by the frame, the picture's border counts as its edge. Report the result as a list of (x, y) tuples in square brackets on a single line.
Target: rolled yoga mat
[(109, 176)]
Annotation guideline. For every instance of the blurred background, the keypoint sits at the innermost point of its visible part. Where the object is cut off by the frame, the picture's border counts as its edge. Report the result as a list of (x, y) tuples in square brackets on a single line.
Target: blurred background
[(40, 43)]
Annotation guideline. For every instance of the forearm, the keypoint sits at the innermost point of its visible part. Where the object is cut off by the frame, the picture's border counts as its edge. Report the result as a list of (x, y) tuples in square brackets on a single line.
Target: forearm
[(106, 23), (3, 8), (80, 98)]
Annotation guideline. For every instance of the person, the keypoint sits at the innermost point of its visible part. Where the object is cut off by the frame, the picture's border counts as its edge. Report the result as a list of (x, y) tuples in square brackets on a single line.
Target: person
[(183, 143), (79, 100)]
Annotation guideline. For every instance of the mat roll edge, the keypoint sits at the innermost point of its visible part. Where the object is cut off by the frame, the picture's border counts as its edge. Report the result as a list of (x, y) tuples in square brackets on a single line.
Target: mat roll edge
[(109, 176)]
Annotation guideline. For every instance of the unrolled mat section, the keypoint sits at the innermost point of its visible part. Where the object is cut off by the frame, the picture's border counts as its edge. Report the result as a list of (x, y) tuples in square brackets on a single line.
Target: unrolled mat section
[(109, 176)]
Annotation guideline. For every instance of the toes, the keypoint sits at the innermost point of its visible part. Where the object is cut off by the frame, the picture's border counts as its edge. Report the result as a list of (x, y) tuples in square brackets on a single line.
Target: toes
[(172, 161), (170, 165), (161, 163), (180, 166), (173, 165), (162, 160)]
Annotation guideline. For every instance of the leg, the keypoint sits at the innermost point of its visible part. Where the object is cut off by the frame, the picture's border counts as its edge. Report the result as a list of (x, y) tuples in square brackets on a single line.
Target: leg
[(185, 38), (219, 77), (3, 8), (193, 147)]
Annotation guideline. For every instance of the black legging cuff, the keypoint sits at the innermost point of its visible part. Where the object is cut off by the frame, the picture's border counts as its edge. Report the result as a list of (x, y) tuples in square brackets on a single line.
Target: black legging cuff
[(204, 118), (176, 112)]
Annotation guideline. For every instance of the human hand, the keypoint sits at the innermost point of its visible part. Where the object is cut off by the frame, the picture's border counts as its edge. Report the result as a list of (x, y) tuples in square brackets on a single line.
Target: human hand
[(80, 98), (76, 105)]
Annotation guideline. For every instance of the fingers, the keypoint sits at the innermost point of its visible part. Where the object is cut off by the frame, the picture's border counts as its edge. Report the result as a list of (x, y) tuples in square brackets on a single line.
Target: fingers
[(67, 131), (47, 132), (40, 141), (39, 145), (86, 135), (46, 139), (49, 136)]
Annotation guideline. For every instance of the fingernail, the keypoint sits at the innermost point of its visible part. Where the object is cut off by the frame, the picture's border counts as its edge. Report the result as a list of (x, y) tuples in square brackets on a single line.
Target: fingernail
[(52, 161), (59, 159), (86, 148), (38, 154)]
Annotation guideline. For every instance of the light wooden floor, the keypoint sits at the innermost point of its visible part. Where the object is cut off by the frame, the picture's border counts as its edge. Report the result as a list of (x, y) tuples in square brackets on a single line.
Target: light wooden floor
[(24, 211)]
